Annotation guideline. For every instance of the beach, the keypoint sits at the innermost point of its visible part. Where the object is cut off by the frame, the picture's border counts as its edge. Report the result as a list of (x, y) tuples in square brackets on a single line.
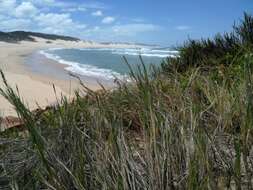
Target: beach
[(36, 88)]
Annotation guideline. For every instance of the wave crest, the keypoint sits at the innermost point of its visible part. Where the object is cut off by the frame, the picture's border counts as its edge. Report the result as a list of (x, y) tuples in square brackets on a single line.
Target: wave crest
[(81, 69)]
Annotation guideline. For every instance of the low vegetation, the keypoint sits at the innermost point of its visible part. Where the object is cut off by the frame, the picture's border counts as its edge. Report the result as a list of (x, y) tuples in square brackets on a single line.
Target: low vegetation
[(222, 51), (188, 125), (17, 36)]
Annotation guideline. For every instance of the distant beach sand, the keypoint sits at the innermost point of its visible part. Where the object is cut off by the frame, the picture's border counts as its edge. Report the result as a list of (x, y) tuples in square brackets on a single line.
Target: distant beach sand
[(37, 88)]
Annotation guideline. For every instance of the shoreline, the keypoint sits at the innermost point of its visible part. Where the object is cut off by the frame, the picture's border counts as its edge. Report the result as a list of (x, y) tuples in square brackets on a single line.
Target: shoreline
[(36, 88), (41, 66)]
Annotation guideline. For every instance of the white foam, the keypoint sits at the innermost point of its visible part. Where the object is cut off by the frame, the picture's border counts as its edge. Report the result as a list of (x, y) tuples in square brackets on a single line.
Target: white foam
[(93, 71), (137, 51), (84, 69), (96, 49), (145, 52), (157, 55), (165, 51), (52, 49)]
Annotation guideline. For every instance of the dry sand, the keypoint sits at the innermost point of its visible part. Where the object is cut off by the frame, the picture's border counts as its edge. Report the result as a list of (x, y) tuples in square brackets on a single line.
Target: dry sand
[(36, 89)]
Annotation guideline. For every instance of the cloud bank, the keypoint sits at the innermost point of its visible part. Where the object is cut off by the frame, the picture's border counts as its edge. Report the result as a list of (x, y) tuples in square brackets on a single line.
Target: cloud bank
[(61, 17)]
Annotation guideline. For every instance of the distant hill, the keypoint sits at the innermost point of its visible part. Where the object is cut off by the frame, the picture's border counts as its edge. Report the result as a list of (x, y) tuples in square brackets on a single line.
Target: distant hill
[(18, 36)]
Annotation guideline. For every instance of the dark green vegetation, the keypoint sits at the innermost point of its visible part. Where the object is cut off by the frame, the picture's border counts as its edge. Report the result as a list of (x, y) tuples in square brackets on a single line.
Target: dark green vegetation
[(223, 50), (18, 36), (175, 128)]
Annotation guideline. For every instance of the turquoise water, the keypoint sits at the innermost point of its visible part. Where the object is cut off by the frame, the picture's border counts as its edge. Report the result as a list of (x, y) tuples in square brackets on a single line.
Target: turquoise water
[(105, 63)]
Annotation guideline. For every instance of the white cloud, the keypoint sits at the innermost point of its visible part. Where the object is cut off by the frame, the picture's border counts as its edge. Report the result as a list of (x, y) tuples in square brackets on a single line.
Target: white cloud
[(134, 29), (41, 16), (25, 9), (24, 15), (183, 27), (43, 2), (124, 32), (96, 28), (108, 20), (83, 9), (51, 19), (68, 4), (7, 5), (3, 17), (58, 23), (97, 13), (94, 5), (48, 3), (74, 9), (11, 15), (15, 24)]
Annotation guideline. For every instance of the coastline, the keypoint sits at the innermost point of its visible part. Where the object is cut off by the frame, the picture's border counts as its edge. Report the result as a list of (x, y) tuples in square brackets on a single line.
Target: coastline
[(45, 69), (36, 88)]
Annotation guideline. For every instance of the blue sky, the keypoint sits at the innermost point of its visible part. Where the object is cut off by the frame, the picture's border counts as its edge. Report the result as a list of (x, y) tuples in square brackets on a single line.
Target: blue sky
[(164, 22)]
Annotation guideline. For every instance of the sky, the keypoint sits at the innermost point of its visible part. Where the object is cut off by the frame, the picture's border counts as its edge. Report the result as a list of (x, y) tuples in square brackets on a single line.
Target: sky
[(161, 22)]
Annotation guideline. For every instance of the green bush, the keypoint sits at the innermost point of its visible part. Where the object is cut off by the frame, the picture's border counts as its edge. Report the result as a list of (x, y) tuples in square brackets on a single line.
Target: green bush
[(210, 53)]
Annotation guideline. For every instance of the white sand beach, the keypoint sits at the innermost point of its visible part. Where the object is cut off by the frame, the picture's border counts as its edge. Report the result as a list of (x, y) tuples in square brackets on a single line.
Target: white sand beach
[(37, 89)]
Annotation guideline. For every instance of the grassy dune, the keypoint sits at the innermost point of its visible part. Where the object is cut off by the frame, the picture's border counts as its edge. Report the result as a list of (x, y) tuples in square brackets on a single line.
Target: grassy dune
[(188, 125)]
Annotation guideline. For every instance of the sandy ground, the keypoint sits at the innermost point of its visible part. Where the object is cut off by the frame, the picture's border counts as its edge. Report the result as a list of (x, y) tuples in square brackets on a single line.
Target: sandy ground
[(36, 89)]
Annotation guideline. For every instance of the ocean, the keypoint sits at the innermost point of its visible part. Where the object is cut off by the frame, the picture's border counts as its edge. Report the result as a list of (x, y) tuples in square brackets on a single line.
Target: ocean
[(106, 63)]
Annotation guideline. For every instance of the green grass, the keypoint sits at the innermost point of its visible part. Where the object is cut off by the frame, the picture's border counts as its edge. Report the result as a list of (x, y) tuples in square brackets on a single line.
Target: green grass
[(168, 129)]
